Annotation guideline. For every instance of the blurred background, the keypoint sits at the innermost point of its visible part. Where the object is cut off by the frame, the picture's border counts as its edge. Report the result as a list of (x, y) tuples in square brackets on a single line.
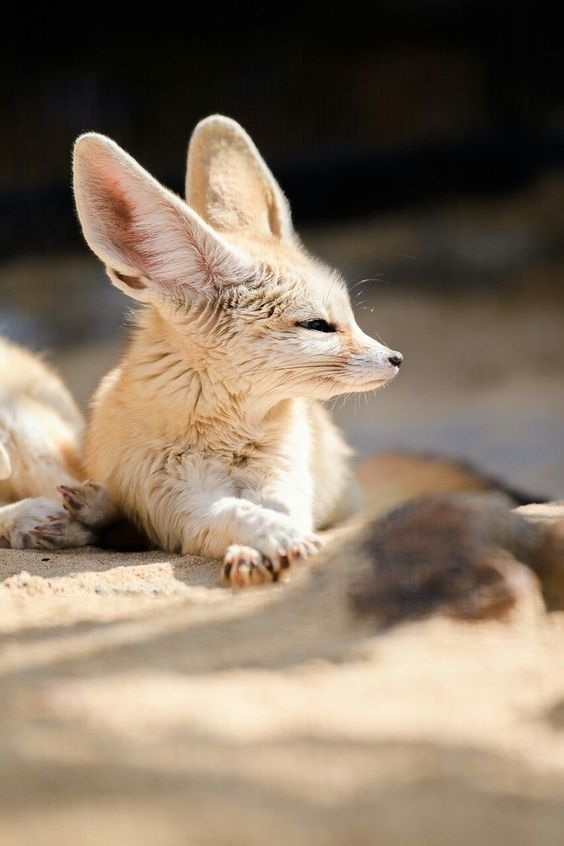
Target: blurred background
[(421, 145)]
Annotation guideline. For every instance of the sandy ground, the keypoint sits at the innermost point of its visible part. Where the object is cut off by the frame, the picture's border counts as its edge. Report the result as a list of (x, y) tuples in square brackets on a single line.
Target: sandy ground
[(142, 704)]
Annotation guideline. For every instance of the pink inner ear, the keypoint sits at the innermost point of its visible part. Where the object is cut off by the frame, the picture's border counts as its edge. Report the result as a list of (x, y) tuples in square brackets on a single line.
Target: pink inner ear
[(113, 205), (118, 207)]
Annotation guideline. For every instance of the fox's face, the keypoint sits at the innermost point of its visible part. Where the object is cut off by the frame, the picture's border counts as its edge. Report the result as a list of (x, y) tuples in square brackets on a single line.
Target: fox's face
[(235, 289), (294, 334)]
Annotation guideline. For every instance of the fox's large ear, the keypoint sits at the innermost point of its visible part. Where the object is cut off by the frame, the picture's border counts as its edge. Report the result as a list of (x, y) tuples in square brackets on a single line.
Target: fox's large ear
[(229, 184), (150, 241)]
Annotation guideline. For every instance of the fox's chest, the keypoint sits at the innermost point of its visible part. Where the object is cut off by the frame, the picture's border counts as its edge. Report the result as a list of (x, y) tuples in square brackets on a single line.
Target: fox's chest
[(279, 447), (252, 464), (247, 461)]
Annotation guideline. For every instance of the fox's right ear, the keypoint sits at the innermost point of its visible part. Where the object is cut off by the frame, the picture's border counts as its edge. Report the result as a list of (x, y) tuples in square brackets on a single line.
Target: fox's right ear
[(150, 241)]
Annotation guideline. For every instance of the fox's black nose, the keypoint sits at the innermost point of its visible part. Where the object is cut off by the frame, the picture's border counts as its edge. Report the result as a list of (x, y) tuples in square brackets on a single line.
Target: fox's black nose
[(396, 359)]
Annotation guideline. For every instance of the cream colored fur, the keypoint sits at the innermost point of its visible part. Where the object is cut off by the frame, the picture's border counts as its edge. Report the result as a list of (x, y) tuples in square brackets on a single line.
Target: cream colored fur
[(40, 430), (210, 435)]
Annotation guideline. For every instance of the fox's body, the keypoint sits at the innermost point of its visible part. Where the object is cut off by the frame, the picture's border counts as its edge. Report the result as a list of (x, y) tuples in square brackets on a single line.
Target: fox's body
[(40, 434), (40, 427), (175, 448), (210, 435)]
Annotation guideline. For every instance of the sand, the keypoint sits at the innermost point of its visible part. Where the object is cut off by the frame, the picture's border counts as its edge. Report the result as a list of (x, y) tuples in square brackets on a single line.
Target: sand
[(143, 704)]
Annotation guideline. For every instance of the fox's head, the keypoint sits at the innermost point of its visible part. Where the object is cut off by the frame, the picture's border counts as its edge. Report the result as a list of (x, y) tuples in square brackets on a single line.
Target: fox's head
[(224, 270)]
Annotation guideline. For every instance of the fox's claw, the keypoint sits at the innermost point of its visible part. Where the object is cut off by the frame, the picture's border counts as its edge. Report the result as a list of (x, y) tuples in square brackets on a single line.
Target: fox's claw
[(62, 533), (284, 544), (306, 547), (89, 504), (286, 551), (244, 566)]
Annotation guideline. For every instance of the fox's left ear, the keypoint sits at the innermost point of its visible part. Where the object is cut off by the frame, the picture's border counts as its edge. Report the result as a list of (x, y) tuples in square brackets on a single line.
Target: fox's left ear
[(154, 246), (229, 184)]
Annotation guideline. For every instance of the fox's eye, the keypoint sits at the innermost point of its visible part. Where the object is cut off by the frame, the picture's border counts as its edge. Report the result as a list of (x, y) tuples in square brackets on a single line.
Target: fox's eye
[(318, 325)]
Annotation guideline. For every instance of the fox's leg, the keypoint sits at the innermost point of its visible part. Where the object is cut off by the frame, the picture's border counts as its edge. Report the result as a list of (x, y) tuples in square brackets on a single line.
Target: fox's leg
[(261, 542), (198, 514), (266, 540), (40, 523)]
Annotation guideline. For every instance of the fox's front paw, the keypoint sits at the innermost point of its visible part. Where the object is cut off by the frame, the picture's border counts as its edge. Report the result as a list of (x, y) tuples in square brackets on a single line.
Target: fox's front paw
[(89, 504), (244, 566)]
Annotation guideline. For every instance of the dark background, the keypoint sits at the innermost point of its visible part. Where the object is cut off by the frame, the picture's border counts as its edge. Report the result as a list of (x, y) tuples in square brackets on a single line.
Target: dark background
[(360, 107)]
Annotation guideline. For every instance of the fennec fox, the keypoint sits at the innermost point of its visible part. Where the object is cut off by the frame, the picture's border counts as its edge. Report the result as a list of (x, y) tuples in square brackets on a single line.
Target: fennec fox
[(40, 431), (210, 435)]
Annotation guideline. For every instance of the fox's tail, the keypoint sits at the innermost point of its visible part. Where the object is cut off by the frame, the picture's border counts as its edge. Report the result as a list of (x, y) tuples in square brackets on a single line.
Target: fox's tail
[(5, 463), (390, 479)]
